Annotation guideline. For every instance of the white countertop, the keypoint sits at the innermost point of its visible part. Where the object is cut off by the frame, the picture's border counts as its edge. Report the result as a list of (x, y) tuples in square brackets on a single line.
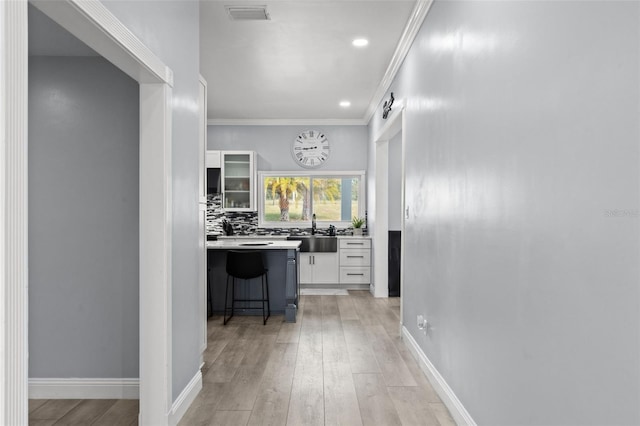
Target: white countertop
[(254, 244), (278, 237), (253, 237)]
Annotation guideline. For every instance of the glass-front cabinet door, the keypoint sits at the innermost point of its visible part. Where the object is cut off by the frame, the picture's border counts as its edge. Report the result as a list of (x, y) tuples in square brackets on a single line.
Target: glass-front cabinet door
[(238, 180)]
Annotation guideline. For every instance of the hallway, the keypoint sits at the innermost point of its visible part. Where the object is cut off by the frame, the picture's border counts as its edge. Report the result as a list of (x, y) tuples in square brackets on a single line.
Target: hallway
[(343, 362)]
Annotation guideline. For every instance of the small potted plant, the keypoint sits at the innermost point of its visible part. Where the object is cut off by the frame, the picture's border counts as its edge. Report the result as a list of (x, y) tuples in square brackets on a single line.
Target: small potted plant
[(357, 223)]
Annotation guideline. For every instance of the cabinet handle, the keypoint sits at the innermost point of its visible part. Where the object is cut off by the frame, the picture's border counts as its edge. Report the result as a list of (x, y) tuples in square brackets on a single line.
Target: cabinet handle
[(355, 244), (354, 274), (356, 256)]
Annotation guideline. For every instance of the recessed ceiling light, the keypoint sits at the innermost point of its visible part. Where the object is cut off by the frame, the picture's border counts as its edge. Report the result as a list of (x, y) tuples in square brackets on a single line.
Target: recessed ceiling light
[(345, 104), (360, 42)]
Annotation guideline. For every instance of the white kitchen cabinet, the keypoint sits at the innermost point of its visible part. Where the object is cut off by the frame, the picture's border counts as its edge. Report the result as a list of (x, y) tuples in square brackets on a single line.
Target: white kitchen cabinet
[(212, 159), (355, 261), (238, 176), (355, 243), (306, 268), (355, 257), (355, 275), (319, 268)]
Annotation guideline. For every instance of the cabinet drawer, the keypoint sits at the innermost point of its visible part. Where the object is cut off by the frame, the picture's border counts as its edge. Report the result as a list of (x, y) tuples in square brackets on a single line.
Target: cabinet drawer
[(355, 275), (355, 257), (355, 243)]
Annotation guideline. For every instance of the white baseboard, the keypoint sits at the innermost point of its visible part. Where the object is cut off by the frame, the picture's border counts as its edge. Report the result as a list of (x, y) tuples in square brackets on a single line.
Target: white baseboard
[(94, 388), (185, 399), (446, 394)]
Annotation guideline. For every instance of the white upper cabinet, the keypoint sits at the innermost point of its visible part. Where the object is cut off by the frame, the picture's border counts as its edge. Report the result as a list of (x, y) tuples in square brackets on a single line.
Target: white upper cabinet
[(212, 160), (238, 180)]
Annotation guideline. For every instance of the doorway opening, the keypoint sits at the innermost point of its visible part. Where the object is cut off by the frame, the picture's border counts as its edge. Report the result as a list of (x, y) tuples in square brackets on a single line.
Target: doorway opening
[(390, 178), (83, 220), (95, 26)]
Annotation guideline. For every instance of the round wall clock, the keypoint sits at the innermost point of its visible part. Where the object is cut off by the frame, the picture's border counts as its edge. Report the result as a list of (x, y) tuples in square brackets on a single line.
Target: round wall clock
[(310, 149)]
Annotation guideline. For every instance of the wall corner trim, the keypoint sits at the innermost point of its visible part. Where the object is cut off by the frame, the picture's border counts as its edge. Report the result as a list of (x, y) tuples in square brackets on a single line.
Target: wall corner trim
[(81, 388), (449, 398), (185, 399), (14, 213)]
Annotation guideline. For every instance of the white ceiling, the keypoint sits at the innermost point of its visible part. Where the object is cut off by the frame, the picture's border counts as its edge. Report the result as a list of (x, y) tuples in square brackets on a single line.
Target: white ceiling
[(299, 64), (295, 67)]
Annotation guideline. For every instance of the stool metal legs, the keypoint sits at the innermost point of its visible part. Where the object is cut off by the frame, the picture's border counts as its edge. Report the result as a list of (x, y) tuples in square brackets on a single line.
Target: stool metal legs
[(264, 288), (226, 298), (265, 283)]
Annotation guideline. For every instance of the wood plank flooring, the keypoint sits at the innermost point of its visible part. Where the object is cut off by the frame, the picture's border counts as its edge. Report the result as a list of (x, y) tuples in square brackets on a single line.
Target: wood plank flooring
[(97, 412), (342, 363)]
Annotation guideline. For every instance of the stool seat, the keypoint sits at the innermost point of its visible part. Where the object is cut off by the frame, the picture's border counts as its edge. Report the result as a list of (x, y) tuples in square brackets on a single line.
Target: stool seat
[(246, 265)]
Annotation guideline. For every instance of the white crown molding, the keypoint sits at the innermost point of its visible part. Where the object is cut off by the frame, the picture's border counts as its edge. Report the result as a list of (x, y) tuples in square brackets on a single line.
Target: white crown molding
[(409, 34), (114, 41), (446, 394), (95, 388), (286, 122), (185, 399)]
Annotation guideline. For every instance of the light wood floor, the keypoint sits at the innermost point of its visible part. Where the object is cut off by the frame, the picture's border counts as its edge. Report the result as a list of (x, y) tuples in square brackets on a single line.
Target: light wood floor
[(341, 363), (98, 412)]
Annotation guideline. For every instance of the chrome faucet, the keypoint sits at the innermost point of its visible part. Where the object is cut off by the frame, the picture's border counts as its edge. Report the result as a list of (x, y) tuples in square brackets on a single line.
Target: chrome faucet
[(313, 224)]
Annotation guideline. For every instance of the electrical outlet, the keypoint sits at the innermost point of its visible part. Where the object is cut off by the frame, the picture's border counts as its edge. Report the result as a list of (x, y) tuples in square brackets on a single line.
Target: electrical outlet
[(423, 324)]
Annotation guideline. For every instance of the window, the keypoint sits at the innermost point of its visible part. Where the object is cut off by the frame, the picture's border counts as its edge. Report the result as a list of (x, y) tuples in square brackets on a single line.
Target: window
[(291, 199)]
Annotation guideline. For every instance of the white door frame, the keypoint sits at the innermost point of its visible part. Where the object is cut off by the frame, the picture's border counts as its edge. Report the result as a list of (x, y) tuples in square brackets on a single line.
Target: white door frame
[(391, 128), (93, 24), (202, 216), (13, 213)]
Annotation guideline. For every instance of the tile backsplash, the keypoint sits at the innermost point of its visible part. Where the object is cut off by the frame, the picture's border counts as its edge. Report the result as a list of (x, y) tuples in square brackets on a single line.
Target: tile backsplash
[(246, 223), (243, 222)]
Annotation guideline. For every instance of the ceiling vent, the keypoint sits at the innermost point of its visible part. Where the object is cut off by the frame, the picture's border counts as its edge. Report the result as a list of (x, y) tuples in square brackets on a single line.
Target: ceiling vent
[(247, 13)]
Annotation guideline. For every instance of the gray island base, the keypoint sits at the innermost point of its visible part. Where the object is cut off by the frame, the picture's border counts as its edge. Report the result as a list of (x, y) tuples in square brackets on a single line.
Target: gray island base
[(281, 258)]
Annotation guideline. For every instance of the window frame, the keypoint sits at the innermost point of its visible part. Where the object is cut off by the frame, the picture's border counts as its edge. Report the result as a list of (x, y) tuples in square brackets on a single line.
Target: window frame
[(311, 175)]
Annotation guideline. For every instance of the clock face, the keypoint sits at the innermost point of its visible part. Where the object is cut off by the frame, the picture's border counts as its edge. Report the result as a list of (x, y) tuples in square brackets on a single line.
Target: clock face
[(310, 149)]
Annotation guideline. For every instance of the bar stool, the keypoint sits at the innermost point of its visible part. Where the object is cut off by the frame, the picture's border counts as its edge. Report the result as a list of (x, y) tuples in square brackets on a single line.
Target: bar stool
[(246, 265)]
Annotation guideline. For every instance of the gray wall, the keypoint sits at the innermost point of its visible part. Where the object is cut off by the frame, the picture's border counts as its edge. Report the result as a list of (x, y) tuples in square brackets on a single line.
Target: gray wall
[(171, 30), (273, 145), (83, 219), (522, 176)]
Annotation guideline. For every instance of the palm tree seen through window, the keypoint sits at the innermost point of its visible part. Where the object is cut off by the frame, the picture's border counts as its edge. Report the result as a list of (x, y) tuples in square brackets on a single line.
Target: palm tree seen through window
[(291, 199)]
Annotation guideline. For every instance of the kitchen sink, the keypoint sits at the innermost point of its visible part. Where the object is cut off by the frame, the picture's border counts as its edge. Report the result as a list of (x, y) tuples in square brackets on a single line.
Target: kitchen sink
[(316, 243)]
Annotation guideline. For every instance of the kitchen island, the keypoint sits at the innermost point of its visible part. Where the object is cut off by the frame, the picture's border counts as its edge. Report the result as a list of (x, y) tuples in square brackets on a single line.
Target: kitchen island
[(281, 258)]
